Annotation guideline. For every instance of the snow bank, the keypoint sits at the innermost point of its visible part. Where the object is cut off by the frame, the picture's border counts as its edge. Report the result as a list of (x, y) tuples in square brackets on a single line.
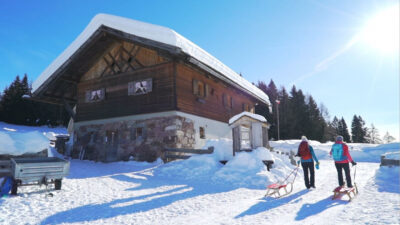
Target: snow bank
[(373, 153), (246, 169), (392, 155), (222, 148), (17, 140), (14, 143), (388, 179)]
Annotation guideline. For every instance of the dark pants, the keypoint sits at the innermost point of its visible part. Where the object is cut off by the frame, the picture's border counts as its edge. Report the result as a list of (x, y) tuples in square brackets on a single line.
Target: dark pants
[(346, 168), (308, 167)]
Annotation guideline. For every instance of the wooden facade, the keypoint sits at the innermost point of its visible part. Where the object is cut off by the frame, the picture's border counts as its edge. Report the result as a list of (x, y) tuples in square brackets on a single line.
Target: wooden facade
[(173, 80)]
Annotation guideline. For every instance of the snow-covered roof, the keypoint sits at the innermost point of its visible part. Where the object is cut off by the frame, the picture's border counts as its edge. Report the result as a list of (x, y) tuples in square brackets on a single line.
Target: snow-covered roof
[(249, 114), (155, 33)]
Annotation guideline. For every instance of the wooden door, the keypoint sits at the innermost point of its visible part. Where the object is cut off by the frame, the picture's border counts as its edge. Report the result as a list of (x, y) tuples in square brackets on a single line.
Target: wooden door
[(112, 145)]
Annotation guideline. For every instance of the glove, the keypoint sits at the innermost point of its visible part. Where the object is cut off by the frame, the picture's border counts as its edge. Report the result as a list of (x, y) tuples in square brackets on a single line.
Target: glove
[(297, 155), (298, 162), (317, 165), (353, 163)]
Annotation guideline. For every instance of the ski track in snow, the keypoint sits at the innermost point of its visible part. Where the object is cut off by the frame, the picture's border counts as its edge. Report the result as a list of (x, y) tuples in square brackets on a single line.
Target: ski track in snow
[(138, 196)]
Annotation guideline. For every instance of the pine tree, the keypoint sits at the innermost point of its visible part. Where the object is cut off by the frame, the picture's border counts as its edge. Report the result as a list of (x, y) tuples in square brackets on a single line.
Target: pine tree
[(316, 124), (298, 114), (358, 131), (16, 109), (342, 130), (284, 113)]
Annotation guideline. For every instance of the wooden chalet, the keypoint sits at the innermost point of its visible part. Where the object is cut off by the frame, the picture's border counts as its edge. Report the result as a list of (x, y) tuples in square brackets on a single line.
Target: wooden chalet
[(133, 88)]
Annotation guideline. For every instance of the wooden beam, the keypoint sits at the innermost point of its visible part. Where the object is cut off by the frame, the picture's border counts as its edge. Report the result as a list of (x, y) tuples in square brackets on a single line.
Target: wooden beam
[(69, 109), (69, 80)]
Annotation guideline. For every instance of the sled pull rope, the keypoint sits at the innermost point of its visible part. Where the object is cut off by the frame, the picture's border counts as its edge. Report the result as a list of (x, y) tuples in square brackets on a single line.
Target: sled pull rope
[(293, 171)]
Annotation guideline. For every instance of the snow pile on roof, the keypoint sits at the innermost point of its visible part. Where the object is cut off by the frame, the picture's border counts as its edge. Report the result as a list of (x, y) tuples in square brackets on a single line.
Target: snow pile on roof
[(246, 169), (249, 114), (17, 140), (151, 32)]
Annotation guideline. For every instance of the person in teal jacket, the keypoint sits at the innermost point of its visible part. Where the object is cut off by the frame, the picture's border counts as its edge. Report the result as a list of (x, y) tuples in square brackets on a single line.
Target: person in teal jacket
[(306, 152)]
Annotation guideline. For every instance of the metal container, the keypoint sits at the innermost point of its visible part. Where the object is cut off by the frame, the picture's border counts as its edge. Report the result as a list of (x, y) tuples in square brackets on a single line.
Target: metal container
[(41, 170)]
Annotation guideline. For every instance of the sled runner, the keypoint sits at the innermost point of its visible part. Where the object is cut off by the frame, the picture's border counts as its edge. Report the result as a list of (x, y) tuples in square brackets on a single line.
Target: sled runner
[(282, 188), (340, 191)]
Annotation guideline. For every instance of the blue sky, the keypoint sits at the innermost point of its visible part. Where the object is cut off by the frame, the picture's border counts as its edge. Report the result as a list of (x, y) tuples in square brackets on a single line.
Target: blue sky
[(307, 43)]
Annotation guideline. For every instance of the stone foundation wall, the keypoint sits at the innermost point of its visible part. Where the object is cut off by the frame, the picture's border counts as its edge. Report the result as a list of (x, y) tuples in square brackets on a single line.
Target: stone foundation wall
[(120, 140)]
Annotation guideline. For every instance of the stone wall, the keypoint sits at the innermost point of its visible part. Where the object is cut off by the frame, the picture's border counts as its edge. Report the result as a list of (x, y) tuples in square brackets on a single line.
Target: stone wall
[(142, 139)]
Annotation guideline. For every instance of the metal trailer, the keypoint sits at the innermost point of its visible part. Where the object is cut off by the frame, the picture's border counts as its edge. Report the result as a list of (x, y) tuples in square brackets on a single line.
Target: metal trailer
[(38, 171)]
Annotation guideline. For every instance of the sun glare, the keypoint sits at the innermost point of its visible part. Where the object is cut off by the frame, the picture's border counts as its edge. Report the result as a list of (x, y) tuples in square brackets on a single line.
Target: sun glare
[(382, 31)]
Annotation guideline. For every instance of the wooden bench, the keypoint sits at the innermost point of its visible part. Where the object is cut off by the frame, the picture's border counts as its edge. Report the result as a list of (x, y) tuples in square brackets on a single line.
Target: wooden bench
[(171, 154), (268, 163)]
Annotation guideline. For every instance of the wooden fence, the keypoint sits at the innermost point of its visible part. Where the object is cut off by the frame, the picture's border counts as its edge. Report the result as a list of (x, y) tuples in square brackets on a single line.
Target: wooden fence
[(171, 154)]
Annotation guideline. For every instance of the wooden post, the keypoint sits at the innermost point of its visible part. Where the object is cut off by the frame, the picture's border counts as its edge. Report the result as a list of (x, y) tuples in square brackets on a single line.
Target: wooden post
[(236, 139)]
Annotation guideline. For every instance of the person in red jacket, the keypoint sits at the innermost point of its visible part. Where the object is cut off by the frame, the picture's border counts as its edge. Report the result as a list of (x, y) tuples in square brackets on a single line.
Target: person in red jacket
[(306, 152), (342, 157)]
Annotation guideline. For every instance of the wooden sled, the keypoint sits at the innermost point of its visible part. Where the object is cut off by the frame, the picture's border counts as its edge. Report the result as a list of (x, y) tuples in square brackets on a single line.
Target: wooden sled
[(274, 190), (340, 191), (283, 188)]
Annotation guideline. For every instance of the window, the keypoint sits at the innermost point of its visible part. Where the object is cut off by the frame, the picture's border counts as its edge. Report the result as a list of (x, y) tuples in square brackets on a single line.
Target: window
[(140, 87), (95, 95), (201, 89), (137, 133), (227, 101), (202, 133)]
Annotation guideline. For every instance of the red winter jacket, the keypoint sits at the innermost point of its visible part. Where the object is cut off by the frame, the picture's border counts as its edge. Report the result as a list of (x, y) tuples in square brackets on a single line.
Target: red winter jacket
[(345, 153)]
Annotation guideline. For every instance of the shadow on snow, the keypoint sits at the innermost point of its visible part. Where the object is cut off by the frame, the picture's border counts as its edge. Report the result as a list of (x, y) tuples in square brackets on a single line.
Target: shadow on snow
[(177, 191), (307, 209), (270, 203)]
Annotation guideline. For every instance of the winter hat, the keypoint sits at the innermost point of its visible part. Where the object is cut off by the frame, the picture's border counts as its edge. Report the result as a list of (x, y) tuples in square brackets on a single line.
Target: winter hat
[(304, 138), (339, 138)]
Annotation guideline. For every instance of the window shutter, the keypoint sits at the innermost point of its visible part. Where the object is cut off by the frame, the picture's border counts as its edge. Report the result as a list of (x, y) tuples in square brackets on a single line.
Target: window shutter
[(207, 90), (231, 103), (195, 87), (224, 99)]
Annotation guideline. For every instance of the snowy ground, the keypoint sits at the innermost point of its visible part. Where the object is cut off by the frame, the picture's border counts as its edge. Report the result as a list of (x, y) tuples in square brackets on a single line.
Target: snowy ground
[(200, 190), (139, 193)]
